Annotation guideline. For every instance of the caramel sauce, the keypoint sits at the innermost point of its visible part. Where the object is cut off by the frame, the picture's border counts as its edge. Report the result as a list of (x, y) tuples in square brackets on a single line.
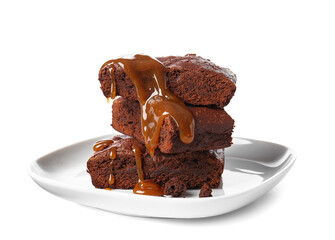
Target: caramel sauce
[(148, 187), (112, 74), (156, 100), (144, 187), (112, 156), (111, 179), (137, 153), (103, 144)]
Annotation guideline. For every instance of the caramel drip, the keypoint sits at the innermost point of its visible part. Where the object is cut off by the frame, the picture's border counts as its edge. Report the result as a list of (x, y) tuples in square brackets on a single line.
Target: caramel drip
[(113, 83), (144, 187), (111, 72), (103, 144), (138, 158), (111, 179), (112, 156), (156, 100)]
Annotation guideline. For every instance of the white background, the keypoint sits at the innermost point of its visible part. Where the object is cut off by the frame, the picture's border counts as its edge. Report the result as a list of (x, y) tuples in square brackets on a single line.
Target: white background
[(283, 54)]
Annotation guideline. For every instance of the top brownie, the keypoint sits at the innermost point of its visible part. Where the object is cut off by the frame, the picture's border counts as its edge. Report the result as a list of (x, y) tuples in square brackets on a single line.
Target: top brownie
[(193, 79)]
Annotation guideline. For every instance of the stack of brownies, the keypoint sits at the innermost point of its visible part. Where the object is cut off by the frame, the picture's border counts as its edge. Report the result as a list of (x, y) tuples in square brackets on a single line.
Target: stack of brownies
[(174, 165)]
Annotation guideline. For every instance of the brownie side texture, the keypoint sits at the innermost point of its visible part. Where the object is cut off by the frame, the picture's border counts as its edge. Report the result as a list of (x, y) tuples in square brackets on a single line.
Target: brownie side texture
[(213, 127), (205, 191), (190, 169), (193, 79)]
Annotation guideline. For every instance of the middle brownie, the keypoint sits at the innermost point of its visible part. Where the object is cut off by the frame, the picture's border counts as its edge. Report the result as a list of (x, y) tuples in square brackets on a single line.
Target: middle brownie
[(213, 127)]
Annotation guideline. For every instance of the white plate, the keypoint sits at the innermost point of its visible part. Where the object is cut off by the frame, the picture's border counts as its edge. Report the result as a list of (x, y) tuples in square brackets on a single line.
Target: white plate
[(252, 168)]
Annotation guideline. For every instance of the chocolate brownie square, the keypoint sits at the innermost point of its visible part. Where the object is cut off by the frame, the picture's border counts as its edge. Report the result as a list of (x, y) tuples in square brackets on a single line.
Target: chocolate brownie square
[(213, 127), (193, 79)]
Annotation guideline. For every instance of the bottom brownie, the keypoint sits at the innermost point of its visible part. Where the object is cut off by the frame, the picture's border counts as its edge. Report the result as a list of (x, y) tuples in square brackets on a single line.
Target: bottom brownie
[(174, 171)]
